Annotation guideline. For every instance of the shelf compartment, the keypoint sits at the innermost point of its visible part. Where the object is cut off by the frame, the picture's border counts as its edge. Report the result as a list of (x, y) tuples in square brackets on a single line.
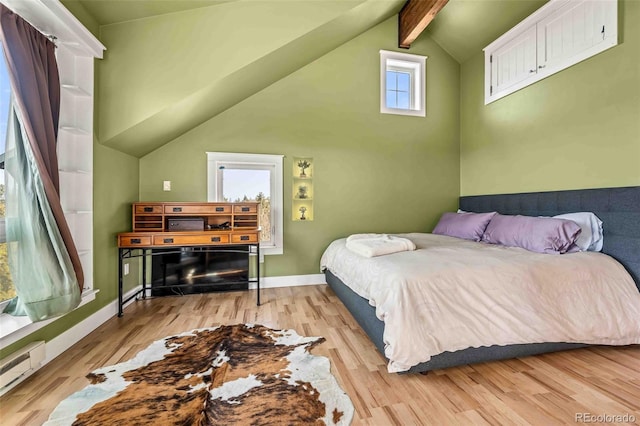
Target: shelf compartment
[(144, 226), (76, 171), (74, 130), (149, 219), (75, 90), (297, 213)]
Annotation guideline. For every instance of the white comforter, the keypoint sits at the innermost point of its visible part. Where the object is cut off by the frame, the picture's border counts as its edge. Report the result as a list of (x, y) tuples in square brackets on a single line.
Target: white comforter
[(453, 294)]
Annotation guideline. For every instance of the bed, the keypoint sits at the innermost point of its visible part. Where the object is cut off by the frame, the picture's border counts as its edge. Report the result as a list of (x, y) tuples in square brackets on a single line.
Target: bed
[(619, 209)]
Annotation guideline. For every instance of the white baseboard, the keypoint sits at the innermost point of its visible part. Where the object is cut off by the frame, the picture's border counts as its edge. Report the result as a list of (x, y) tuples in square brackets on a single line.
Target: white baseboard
[(290, 281), (64, 341)]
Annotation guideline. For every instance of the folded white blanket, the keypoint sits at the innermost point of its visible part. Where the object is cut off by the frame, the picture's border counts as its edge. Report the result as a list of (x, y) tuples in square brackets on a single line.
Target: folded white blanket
[(371, 245)]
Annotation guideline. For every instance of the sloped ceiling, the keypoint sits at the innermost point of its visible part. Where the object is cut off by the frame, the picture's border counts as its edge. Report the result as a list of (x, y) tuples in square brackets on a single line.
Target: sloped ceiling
[(464, 27), (107, 12), (171, 65)]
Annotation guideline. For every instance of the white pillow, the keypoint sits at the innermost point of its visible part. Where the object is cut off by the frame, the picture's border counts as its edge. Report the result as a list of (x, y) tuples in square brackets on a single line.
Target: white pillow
[(590, 239)]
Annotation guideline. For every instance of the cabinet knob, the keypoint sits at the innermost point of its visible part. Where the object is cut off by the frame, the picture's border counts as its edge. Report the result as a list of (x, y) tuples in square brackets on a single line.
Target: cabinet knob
[(135, 241), (532, 71), (177, 209), (244, 238), (541, 66), (168, 240), (245, 209), (215, 239), (219, 209), (148, 209)]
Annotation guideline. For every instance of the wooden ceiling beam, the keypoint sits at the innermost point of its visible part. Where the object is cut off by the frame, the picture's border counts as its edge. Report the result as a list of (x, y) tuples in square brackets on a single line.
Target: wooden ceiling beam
[(414, 18)]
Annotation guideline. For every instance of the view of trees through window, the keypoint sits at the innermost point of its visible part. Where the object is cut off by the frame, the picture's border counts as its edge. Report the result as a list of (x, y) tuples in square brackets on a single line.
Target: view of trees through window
[(238, 182), (265, 213), (7, 290)]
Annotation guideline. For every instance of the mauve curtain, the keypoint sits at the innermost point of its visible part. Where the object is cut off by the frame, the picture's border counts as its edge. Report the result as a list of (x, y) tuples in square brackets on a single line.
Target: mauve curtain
[(35, 85)]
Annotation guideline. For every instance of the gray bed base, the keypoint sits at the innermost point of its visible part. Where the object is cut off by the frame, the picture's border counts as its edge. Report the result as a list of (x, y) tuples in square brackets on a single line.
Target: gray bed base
[(619, 209), (365, 315)]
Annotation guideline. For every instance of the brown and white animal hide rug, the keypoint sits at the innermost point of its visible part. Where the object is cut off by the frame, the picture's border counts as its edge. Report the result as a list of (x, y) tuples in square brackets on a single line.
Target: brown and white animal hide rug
[(229, 375)]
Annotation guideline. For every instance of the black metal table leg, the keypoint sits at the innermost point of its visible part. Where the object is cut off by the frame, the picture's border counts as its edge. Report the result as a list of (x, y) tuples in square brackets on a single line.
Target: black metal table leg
[(120, 254), (258, 270), (144, 273)]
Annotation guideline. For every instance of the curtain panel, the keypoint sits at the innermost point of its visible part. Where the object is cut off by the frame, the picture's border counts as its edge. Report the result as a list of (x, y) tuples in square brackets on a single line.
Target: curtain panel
[(35, 85)]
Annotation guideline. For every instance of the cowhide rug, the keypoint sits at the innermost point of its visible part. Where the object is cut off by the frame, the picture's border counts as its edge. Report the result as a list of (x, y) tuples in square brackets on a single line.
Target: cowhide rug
[(227, 375)]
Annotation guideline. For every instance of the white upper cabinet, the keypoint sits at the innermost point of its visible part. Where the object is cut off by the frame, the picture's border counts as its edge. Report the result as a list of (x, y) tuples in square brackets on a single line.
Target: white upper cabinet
[(556, 36), (577, 27), (514, 61)]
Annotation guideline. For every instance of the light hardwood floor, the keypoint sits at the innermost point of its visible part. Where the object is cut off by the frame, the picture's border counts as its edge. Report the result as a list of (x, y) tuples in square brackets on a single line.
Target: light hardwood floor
[(542, 390)]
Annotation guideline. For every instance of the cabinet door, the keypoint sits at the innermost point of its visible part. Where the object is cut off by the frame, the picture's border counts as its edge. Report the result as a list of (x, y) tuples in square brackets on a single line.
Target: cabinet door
[(577, 27), (514, 62)]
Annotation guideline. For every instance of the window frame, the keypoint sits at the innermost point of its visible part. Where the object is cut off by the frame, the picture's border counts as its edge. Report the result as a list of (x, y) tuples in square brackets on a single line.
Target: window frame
[(415, 66), (72, 36), (252, 162)]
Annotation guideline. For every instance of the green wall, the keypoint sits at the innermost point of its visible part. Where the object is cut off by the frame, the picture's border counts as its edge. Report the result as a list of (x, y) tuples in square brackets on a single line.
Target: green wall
[(154, 63), (115, 178), (579, 128), (372, 172)]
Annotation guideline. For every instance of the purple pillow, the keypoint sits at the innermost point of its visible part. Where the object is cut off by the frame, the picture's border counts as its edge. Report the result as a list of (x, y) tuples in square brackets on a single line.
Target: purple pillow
[(539, 234), (469, 226)]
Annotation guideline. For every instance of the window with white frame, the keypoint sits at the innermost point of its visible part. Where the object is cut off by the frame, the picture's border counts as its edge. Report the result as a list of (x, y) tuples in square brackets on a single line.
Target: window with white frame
[(7, 290), (402, 83), (75, 53), (250, 177)]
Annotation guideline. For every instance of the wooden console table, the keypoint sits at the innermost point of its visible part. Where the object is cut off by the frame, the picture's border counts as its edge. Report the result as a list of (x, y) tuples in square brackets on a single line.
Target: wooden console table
[(194, 227)]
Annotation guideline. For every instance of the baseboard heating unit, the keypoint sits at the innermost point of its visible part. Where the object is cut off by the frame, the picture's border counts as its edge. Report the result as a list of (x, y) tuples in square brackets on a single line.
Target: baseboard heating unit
[(20, 364)]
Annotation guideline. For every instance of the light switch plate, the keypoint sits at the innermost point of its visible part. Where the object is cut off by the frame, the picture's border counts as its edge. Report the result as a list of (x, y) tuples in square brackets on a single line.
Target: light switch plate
[(166, 185)]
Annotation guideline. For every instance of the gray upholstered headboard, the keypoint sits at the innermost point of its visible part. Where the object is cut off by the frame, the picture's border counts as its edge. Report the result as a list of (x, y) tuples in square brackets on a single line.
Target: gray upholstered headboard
[(618, 208)]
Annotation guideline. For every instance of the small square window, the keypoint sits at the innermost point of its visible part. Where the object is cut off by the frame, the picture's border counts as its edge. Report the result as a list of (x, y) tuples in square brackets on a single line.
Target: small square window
[(402, 83)]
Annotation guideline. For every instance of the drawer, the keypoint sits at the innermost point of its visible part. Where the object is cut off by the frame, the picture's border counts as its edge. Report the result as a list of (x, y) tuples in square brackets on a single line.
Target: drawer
[(134, 240), (244, 238), (149, 208), (181, 239), (250, 208), (197, 209)]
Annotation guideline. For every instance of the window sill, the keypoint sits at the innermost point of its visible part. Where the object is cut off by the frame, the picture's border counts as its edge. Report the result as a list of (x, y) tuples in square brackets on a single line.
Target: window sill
[(13, 328), (408, 112), (270, 250)]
